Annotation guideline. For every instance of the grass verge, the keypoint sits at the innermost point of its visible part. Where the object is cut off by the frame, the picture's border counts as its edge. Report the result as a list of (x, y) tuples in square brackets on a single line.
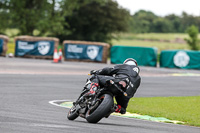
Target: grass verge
[(159, 45), (155, 36), (184, 109), (11, 48)]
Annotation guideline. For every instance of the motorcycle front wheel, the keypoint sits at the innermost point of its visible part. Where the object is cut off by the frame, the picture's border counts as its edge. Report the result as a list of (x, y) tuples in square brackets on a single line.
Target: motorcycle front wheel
[(101, 108), (72, 114)]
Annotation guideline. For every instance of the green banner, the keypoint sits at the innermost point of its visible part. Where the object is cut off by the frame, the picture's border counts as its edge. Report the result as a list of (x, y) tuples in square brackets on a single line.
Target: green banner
[(184, 59), (145, 56)]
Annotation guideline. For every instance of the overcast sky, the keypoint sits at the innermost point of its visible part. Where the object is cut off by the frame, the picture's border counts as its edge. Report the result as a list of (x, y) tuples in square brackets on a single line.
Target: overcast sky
[(162, 7)]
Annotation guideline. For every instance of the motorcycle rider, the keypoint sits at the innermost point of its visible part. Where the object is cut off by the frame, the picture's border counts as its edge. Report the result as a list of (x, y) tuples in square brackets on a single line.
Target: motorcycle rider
[(129, 80)]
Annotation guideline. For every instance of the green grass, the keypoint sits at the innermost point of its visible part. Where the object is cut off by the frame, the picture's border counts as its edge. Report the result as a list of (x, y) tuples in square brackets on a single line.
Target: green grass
[(186, 109), (159, 45), (155, 36), (11, 48)]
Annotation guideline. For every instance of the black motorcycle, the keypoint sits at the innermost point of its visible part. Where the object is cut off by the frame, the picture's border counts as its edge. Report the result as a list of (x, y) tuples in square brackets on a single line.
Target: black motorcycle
[(95, 107)]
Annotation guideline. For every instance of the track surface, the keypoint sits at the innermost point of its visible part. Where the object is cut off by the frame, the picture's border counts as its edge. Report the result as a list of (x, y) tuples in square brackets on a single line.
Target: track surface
[(27, 85)]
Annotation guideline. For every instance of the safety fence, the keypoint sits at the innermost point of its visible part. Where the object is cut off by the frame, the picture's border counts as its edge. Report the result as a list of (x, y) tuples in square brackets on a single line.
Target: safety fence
[(86, 51), (145, 56), (184, 59)]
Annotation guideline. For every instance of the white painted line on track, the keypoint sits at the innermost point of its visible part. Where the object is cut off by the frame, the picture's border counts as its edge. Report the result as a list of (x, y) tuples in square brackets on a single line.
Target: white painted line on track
[(126, 116), (54, 102)]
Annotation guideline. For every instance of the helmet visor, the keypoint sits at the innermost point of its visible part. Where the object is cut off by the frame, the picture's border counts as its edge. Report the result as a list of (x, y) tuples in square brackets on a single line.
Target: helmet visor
[(130, 63)]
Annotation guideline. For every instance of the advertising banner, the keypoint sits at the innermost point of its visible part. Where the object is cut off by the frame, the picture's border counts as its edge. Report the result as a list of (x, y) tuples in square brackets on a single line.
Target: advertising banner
[(83, 52), (1, 45), (185, 59), (37, 48), (145, 56)]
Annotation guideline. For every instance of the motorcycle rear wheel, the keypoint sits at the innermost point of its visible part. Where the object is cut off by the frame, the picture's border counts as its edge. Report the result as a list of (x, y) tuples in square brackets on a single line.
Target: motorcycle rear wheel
[(95, 114)]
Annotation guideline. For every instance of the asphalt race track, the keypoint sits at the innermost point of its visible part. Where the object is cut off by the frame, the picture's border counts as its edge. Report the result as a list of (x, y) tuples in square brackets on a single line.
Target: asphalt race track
[(27, 86)]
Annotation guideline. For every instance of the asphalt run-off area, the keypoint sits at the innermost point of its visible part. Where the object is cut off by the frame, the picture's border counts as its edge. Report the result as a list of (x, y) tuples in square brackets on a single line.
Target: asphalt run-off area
[(27, 87)]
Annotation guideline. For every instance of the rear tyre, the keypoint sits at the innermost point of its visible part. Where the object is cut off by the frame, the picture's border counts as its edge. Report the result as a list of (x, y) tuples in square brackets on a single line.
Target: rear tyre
[(100, 109), (72, 114)]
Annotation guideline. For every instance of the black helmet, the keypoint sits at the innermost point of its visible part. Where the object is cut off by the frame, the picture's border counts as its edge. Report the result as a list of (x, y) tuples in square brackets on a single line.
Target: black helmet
[(130, 61)]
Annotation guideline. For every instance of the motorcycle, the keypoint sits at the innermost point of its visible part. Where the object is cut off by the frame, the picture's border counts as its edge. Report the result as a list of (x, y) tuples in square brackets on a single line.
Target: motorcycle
[(95, 107)]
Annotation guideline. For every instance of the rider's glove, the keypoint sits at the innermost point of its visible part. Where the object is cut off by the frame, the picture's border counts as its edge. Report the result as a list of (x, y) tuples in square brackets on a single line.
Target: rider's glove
[(93, 72)]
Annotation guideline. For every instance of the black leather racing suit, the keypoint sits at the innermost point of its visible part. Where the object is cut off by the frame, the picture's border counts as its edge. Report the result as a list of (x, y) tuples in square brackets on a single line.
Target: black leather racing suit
[(127, 73)]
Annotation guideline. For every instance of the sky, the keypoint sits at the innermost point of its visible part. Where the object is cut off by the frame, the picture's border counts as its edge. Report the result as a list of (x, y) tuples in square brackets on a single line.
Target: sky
[(162, 7)]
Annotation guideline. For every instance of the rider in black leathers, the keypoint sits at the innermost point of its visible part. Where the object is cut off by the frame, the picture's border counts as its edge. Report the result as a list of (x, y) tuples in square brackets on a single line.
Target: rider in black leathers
[(127, 72)]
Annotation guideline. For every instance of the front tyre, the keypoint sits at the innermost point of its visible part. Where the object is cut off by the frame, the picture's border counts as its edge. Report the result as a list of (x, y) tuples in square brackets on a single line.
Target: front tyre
[(72, 114), (100, 109)]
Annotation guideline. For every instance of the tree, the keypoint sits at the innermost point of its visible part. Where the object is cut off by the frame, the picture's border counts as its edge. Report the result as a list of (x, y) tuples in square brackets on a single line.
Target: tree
[(162, 25), (145, 22), (175, 21), (94, 20), (187, 20), (142, 21), (25, 14), (30, 15), (4, 17), (193, 34), (53, 20)]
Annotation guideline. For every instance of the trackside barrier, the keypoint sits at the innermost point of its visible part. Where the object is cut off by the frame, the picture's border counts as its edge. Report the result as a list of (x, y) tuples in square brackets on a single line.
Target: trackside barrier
[(145, 56), (35, 47), (3, 45), (184, 59), (85, 51)]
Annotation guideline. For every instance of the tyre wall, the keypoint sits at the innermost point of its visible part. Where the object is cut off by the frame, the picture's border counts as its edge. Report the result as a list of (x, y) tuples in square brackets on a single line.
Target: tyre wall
[(35, 47), (85, 51)]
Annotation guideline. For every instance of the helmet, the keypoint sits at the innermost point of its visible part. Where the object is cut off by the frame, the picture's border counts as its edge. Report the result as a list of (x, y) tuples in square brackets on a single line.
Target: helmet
[(130, 61)]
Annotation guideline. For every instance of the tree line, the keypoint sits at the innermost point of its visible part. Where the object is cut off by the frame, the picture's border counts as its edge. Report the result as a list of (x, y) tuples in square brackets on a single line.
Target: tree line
[(146, 22), (91, 20)]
